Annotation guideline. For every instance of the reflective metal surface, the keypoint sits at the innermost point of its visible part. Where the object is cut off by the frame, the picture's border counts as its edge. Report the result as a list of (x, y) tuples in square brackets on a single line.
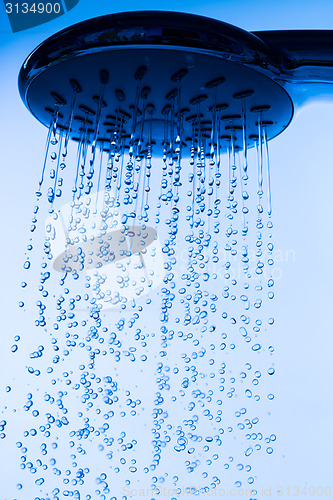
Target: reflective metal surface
[(154, 29), (306, 62)]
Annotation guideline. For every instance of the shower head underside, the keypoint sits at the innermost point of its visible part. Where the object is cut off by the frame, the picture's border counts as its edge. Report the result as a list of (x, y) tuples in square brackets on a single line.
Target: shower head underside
[(155, 77)]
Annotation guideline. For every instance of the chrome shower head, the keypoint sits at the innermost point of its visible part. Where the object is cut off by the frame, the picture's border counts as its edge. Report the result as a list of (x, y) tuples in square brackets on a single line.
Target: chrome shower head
[(152, 68), (155, 70)]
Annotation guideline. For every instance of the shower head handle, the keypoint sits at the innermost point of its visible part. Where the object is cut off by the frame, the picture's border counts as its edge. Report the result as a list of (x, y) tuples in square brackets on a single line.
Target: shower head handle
[(306, 62)]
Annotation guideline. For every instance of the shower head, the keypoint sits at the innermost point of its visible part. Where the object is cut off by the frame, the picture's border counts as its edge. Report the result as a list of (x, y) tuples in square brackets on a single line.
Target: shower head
[(148, 68), (151, 67)]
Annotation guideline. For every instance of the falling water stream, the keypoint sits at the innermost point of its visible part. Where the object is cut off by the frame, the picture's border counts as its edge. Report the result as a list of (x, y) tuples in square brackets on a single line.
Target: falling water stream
[(146, 296)]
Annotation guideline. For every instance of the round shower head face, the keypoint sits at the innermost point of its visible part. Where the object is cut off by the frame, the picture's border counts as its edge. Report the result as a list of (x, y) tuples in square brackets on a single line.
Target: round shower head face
[(145, 92)]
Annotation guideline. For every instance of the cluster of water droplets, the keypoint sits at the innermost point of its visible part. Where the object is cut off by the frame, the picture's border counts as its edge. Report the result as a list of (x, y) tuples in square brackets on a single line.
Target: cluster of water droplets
[(150, 356)]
